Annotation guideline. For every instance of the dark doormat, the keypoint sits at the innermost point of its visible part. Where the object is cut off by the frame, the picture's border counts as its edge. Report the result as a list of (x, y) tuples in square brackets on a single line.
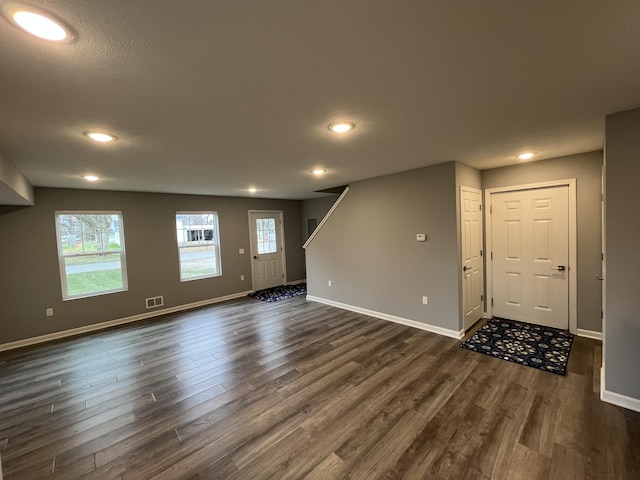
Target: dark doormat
[(278, 293), (535, 346)]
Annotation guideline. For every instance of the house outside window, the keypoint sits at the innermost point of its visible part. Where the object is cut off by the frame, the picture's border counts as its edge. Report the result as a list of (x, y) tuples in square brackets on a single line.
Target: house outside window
[(198, 245), (91, 253)]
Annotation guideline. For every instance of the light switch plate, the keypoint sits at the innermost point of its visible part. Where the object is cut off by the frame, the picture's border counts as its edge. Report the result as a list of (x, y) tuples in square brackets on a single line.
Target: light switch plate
[(421, 237)]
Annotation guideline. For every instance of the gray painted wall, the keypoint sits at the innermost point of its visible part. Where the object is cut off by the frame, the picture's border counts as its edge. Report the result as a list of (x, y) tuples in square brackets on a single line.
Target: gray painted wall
[(315, 208), (30, 279), (15, 189), (586, 168), (622, 254), (368, 247), (467, 176)]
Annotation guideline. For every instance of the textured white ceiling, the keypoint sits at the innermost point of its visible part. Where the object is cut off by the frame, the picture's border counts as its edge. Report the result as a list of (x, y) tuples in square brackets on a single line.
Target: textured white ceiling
[(211, 97)]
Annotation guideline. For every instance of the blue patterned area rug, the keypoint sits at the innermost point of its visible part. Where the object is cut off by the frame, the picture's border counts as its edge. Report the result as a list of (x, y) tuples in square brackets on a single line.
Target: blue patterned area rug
[(278, 293), (535, 346)]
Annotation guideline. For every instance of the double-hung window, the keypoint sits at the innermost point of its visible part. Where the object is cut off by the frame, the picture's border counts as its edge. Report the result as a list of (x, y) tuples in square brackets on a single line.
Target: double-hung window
[(91, 253), (198, 245)]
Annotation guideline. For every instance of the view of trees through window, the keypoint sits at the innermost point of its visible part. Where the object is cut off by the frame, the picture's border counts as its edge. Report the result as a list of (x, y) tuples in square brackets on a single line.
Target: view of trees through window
[(266, 231), (198, 244), (91, 252)]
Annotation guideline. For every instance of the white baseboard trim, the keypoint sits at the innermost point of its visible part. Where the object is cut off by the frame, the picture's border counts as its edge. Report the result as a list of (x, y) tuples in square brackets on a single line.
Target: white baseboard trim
[(617, 399), (118, 321), (623, 401), (392, 318), (589, 334), (297, 282)]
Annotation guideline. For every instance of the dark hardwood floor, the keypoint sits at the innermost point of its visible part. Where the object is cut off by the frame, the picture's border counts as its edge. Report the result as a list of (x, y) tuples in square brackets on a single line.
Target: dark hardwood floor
[(295, 389)]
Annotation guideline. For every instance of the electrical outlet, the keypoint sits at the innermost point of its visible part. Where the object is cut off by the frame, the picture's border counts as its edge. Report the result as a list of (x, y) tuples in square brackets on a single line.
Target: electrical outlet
[(329, 283), (241, 251), (425, 300), (49, 312), (241, 277)]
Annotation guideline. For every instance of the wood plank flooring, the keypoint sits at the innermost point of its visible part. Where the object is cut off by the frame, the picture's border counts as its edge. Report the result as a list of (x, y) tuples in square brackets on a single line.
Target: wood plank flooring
[(296, 389)]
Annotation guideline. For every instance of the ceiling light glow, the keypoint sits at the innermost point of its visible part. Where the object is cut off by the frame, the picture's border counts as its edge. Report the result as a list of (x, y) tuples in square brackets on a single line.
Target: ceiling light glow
[(91, 178), (252, 189), (101, 137), (318, 171), (40, 25), (525, 156), (341, 127)]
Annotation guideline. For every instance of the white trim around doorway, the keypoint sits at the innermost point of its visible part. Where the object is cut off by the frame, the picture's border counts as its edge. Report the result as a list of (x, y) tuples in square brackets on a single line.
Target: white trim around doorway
[(280, 214), (573, 259)]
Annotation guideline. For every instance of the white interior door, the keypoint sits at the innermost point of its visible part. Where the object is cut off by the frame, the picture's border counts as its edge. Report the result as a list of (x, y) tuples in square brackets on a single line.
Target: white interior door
[(472, 270), (267, 249), (530, 236)]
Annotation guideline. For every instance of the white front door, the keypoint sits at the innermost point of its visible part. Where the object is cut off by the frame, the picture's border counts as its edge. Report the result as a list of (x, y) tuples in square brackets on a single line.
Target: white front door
[(472, 272), (530, 236), (267, 249)]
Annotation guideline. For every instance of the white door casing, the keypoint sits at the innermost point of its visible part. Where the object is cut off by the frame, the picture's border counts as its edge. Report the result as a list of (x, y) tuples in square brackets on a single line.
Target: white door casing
[(471, 232), (267, 249), (530, 250), (572, 267)]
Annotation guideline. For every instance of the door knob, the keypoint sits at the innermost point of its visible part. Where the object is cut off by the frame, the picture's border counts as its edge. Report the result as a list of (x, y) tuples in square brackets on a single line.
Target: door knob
[(559, 268), (255, 257), (465, 268)]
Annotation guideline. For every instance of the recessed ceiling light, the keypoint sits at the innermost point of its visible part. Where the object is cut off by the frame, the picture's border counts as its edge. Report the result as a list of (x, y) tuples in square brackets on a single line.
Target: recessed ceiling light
[(318, 171), (252, 189), (91, 178), (38, 23), (100, 137), (525, 156), (341, 127)]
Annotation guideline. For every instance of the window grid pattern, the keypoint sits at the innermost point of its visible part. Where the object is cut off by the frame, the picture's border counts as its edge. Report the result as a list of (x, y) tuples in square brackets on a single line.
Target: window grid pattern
[(198, 245), (91, 253), (266, 235)]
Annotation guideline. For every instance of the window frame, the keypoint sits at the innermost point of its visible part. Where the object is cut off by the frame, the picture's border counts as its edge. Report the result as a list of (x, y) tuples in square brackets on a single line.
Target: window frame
[(62, 255), (268, 229), (215, 243)]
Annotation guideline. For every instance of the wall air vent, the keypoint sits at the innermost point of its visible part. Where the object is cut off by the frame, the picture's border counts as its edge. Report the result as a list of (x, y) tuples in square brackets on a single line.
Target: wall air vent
[(154, 302)]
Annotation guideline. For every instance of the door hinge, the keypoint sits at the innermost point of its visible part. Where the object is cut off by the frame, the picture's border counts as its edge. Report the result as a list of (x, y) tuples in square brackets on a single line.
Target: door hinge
[(491, 255), (481, 297), (480, 252), (490, 208), (480, 207), (492, 301)]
